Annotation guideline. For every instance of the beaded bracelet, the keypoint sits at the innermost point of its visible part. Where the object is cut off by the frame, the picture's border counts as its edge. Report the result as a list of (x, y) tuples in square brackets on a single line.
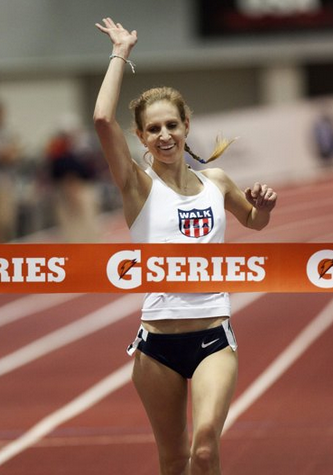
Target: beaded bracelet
[(126, 61)]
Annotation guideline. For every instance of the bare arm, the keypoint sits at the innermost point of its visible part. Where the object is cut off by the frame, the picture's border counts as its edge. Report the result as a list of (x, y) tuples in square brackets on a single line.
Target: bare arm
[(114, 145), (252, 208), (263, 200)]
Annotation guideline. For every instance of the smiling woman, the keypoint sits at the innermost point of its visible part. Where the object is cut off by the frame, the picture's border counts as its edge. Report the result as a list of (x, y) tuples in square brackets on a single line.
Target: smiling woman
[(180, 113), (170, 202), (164, 132)]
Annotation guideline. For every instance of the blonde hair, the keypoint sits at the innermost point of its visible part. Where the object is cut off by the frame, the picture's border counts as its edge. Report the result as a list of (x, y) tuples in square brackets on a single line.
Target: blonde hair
[(149, 97)]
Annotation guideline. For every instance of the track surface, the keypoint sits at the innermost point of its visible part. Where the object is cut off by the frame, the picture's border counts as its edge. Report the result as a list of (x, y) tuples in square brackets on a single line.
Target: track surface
[(55, 350)]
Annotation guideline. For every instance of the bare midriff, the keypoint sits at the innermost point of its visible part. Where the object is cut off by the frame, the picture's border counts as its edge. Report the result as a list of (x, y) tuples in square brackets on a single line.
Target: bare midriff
[(182, 325)]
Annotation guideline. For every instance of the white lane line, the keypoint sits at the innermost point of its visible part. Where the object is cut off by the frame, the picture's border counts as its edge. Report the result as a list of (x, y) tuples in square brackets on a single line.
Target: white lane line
[(81, 328), (28, 305), (281, 364), (78, 405), (91, 323), (122, 376), (95, 393)]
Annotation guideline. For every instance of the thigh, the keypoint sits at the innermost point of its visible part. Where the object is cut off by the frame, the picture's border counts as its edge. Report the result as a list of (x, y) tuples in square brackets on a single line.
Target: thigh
[(163, 393), (213, 385)]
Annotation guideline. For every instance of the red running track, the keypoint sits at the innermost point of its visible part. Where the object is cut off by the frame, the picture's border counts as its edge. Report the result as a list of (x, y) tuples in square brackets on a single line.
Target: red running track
[(281, 421)]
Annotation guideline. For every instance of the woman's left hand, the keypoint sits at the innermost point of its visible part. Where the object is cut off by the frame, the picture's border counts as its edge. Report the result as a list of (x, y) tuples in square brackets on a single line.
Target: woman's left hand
[(117, 33), (261, 197)]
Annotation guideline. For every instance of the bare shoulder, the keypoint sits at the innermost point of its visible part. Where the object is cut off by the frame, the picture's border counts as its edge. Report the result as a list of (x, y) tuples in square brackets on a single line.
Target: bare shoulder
[(235, 201), (219, 178)]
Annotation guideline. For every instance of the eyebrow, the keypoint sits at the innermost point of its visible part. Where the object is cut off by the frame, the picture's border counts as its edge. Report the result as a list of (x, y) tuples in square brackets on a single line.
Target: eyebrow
[(157, 123)]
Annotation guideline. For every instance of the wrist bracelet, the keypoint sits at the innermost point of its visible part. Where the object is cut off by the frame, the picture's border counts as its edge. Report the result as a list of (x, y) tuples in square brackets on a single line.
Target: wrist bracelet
[(126, 61)]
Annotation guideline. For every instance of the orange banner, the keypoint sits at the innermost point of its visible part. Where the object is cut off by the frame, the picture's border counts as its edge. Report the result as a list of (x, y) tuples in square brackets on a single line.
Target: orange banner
[(61, 268)]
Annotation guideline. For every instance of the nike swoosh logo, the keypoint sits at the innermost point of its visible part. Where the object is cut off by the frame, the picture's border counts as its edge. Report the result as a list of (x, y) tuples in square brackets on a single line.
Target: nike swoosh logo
[(204, 345)]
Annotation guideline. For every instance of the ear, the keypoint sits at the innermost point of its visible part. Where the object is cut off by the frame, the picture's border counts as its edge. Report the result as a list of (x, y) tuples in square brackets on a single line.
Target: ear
[(139, 134), (187, 126)]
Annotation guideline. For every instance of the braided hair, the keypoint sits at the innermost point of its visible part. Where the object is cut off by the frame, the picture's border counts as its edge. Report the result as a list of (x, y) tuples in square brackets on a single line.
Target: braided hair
[(221, 146)]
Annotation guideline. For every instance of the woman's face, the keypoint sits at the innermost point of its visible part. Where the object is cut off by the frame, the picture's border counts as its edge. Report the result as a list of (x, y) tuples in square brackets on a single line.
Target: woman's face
[(164, 133)]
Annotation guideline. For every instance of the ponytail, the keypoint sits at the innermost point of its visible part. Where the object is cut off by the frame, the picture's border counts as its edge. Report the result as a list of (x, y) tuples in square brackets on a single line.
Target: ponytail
[(220, 147)]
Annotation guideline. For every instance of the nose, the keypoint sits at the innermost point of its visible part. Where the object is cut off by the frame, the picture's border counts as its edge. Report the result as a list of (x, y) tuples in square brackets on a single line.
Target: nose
[(165, 134)]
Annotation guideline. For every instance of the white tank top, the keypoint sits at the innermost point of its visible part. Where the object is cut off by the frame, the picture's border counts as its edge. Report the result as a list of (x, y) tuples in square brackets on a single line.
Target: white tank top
[(168, 216)]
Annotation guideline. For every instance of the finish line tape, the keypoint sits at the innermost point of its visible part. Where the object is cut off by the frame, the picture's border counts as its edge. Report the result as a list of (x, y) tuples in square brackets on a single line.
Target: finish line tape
[(140, 268)]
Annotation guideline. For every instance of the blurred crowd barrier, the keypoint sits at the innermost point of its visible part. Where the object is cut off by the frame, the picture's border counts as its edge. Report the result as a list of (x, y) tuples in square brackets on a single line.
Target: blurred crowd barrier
[(67, 186)]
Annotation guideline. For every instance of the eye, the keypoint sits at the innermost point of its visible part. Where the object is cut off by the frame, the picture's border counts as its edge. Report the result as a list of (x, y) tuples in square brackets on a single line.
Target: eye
[(172, 125), (153, 129)]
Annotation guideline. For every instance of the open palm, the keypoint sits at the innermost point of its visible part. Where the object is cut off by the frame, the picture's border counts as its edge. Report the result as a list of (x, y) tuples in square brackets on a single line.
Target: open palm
[(117, 33)]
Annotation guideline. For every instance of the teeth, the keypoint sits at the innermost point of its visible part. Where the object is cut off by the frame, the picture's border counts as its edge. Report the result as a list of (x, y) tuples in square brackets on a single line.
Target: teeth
[(166, 147)]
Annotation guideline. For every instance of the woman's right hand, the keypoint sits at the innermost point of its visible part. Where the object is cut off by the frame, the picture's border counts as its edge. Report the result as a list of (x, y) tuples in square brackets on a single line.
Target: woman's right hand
[(119, 36)]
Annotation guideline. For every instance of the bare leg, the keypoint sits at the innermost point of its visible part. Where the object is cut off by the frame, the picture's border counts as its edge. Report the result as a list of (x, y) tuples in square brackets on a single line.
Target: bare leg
[(213, 385), (164, 395)]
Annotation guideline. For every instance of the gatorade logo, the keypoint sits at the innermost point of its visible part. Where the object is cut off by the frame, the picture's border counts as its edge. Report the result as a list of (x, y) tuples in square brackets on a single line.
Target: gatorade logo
[(121, 269), (127, 270), (320, 269)]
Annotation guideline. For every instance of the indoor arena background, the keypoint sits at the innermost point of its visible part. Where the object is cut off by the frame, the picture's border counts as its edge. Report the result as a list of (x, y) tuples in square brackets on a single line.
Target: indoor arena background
[(66, 401)]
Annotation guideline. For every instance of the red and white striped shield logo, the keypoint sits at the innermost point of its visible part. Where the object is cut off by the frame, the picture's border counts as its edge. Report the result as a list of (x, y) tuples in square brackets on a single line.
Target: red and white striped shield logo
[(196, 223)]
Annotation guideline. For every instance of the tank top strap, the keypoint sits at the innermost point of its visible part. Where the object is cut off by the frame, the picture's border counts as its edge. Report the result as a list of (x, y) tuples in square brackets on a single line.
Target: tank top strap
[(151, 173), (201, 176)]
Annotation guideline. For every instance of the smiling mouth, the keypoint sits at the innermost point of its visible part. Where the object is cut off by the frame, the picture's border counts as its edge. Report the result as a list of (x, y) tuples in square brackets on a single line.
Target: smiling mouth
[(166, 147)]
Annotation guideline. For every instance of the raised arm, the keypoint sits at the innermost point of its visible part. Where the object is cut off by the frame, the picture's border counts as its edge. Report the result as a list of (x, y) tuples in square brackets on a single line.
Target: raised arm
[(111, 137)]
